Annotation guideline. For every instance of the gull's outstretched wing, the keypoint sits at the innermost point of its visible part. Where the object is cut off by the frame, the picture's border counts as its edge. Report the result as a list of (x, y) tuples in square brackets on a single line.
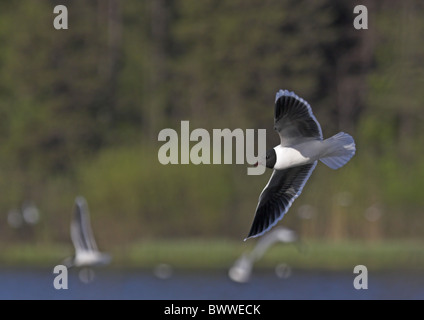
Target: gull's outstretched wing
[(282, 189), (293, 119), (81, 233)]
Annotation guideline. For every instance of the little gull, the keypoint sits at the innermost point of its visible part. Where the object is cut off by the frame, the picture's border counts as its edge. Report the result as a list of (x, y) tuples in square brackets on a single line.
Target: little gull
[(86, 251), (294, 159), (242, 268)]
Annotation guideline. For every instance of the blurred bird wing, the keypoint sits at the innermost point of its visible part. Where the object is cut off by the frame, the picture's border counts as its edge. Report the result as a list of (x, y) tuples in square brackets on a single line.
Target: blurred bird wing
[(81, 232), (294, 120), (278, 234)]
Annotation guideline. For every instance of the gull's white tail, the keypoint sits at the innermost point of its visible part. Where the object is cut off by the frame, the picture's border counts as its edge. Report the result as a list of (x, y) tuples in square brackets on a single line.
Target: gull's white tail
[(339, 149)]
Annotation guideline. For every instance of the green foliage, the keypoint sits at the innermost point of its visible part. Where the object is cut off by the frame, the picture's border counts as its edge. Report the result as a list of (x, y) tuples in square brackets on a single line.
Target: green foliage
[(130, 186), (189, 254), (81, 109)]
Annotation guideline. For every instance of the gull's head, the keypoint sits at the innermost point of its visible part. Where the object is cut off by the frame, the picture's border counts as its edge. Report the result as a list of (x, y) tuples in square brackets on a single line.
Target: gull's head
[(268, 160)]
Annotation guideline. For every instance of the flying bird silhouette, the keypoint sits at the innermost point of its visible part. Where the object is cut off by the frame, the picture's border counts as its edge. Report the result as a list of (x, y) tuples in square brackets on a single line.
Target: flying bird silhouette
[(295, 158), (86, 251), (242, 268)]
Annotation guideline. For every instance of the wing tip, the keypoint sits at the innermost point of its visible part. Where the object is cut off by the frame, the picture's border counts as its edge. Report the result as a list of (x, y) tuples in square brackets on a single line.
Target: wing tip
[(251, 234), (256, 231), (286, 93), (80, 200), (254, 235)]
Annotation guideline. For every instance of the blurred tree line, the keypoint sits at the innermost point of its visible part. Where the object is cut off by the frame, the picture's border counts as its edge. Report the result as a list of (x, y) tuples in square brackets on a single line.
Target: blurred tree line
[(81, 109)]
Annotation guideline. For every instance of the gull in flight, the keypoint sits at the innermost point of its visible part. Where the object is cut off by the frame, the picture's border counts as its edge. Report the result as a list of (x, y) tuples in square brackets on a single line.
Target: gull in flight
[(294, 159), (242, 268), (86, 251)]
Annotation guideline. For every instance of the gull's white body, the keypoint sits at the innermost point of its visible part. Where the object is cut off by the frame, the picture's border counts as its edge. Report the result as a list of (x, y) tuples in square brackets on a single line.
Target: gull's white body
[(90, 258), (299, 154)]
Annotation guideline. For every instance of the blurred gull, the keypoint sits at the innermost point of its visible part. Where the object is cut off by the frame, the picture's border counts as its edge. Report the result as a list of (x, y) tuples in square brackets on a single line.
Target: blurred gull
[(294, 159), (86, 252), (242, 268)]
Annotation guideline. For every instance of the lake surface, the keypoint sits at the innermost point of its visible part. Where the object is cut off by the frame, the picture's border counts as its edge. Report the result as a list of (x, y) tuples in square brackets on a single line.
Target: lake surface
[(130, 285)]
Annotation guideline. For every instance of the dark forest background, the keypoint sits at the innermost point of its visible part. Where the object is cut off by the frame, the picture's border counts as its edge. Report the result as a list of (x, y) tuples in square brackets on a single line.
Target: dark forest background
[(81, 109)]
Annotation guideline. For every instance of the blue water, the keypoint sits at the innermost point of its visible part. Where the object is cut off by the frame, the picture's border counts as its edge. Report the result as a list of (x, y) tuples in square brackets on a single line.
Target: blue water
[(129, 285)]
